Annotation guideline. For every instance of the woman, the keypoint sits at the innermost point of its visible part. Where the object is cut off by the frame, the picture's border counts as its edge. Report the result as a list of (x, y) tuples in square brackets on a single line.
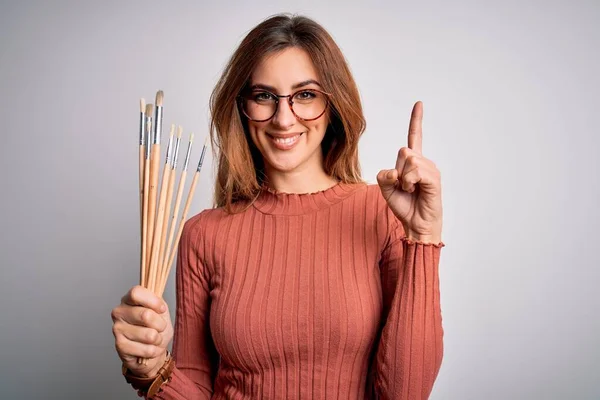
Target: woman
[(304, 282)]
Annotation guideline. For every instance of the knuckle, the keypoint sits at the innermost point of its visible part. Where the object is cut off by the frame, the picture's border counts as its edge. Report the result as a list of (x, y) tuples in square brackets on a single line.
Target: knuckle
[(152, 336), (119, 351), (135, 292), (145, 316), (114, 314), (116, 329), (142, 316), (150, 351), (413, 160), (163, 325), (120, 342)]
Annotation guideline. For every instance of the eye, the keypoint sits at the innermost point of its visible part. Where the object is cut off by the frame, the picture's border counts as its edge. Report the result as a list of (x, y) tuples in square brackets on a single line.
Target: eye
[(262, 97), (305, 95)]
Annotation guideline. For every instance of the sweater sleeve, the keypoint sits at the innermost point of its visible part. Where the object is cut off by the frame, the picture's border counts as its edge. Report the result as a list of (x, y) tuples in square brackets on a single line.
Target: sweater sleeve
[(410, 348), (196, 360)]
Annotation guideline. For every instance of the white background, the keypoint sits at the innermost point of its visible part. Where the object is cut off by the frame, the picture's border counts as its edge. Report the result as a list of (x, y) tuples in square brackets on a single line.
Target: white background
[(510, 92)]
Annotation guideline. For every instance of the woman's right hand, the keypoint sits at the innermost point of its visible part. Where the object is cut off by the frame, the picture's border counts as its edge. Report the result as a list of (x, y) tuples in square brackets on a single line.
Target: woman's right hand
[(143, 329)]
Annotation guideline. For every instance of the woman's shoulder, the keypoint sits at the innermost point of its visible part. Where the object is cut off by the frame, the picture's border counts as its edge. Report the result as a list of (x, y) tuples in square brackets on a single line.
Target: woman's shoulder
[(375, 205), (369, 195), (205, 218), (210, 218)]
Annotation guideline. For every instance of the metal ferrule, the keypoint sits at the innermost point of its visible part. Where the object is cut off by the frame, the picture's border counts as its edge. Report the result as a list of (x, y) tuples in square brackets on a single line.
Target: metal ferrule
[(148, 136), (187, 157), (174, 164), (201, 159), (158, 118), (142, 129), (169, 150)]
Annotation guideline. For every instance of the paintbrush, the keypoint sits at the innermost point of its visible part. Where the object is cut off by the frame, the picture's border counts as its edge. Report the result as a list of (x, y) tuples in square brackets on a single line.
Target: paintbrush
[(148, 139), (145, 233), (142, 157), (171, 184), (154, 171), (180, 187), (188, 202), (160, 216)]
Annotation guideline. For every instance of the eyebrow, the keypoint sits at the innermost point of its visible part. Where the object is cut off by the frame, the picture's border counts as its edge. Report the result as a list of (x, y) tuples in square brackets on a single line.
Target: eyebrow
[(295, 86)]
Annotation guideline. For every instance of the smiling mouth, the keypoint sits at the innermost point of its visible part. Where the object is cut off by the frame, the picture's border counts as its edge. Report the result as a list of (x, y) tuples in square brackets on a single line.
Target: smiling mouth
[(286, 141)]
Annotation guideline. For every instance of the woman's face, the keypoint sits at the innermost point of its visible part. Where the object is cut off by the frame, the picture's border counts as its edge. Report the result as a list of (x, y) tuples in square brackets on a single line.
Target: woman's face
[(288, 144)]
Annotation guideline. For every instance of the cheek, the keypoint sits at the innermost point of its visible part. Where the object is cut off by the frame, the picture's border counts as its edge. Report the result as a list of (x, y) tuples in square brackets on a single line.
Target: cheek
[(318, 128), (255, 129), (322, 123)]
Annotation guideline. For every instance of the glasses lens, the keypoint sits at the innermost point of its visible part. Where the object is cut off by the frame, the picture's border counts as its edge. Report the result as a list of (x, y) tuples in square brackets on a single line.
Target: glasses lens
[(260, 106), (307, 104)]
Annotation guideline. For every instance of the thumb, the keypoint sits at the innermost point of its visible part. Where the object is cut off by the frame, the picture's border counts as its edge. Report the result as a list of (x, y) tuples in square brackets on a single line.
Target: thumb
[(387, 180)]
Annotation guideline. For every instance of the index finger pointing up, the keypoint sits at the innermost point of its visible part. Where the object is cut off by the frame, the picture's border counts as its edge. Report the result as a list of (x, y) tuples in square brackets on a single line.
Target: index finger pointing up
[(415, 129)]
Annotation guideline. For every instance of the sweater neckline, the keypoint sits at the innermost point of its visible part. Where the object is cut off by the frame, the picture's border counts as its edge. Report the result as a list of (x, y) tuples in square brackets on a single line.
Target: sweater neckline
[(271, 201)]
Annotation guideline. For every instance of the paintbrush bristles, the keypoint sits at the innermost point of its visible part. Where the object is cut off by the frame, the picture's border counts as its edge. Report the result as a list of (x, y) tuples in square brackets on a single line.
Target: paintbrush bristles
[(179, 131), (159, 98), (142, 105), (149, 110), (170, 144)]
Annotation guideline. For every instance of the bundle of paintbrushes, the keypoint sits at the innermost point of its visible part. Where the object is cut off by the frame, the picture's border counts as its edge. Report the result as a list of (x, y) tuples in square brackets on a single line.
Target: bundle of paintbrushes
[(158, 223), (158, 248)]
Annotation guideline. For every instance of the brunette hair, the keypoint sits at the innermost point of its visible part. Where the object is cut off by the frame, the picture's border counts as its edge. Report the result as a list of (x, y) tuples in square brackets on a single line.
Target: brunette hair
[(240, 169)]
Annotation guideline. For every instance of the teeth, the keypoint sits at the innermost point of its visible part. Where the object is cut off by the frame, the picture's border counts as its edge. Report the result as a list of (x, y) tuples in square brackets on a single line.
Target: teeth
[(286, 140)]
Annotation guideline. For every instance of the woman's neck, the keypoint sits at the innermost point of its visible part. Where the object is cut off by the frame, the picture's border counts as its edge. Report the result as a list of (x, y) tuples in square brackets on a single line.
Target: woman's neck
[(307, 180)]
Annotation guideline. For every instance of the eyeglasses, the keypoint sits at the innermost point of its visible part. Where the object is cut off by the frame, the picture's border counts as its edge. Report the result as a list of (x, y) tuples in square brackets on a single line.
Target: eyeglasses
[(260, 105)]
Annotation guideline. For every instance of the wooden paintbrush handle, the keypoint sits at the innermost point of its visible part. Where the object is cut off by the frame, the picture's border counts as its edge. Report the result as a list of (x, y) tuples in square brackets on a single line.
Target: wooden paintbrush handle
[(158, 230), (152, 192), (188, 202), (182, 180), (163, 239), (144, 274), (142, 162)]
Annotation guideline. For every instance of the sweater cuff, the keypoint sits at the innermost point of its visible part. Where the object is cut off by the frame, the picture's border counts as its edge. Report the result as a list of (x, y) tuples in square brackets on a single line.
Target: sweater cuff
[(181, 387), (416, 242)]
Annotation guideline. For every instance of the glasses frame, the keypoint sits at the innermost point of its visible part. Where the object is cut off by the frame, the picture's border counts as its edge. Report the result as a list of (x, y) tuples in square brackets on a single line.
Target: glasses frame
[(290, 102)]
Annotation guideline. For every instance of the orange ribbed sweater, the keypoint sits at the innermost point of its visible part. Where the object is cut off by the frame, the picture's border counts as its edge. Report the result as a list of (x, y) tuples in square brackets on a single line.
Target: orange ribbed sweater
[(305, 296)]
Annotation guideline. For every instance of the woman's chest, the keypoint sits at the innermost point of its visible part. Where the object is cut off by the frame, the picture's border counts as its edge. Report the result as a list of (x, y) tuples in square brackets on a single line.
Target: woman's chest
[(292, 289)]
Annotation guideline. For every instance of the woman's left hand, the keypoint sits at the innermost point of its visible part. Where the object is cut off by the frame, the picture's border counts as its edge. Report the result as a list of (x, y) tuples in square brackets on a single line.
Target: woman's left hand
[(413, 189)]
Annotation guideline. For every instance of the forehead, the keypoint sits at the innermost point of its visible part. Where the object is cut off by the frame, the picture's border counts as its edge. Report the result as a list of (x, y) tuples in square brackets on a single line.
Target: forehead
[(284, 69)]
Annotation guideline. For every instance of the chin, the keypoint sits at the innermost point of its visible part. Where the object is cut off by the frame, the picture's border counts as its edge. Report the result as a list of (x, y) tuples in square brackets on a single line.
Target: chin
[(283, 164)]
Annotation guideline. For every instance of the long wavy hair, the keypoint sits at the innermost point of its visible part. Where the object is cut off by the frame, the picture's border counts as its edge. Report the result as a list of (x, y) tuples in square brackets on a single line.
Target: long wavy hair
[(240, 166)]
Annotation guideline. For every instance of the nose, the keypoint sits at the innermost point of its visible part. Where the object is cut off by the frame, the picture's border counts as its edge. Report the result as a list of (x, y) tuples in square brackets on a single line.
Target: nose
[(284, 117)]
